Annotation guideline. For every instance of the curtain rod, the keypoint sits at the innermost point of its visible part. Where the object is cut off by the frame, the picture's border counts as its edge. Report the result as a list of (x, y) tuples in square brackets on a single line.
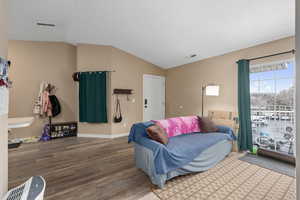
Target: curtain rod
[(276, 54), (98, 71), (76, 74)]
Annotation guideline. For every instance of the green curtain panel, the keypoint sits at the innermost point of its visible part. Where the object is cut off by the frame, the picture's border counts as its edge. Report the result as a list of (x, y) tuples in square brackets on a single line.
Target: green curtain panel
[(245, 129), (92, 97)]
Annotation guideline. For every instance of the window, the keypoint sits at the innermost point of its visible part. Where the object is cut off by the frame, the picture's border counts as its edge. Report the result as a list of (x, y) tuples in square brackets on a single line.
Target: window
[(272, 88)]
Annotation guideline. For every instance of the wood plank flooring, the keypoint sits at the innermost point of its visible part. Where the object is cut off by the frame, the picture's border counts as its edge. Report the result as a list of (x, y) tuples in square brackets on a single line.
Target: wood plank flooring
[(80, 168)]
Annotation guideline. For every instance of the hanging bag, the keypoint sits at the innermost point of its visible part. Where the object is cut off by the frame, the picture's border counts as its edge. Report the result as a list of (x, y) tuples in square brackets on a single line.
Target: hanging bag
[(118, 114)]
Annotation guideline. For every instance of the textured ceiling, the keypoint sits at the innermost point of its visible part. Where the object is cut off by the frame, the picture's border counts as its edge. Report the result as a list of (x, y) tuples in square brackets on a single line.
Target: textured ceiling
[(164, 32)]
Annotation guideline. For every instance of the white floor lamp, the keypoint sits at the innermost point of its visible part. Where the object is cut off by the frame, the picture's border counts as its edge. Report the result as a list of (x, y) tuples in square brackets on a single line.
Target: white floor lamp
[(209, 90)]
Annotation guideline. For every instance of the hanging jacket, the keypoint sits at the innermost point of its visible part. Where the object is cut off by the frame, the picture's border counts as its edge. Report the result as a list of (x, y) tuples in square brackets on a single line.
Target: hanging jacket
[(42, 106), (47, 107), (56, 109)]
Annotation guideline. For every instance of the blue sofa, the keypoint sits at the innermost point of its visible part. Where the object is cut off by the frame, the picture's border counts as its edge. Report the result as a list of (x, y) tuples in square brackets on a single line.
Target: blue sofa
[(194, 152)]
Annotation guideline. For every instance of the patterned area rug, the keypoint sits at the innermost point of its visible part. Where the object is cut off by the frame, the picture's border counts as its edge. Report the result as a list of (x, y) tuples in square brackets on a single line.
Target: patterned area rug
[(270, 163), (231, 179)]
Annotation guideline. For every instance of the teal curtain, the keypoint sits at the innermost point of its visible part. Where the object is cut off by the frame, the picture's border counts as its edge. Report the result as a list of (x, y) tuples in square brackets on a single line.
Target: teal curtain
[(245, 129), (92, 97)]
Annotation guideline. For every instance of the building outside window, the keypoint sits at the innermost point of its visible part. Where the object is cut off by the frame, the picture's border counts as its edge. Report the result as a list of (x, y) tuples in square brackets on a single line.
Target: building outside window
[(272, 88)]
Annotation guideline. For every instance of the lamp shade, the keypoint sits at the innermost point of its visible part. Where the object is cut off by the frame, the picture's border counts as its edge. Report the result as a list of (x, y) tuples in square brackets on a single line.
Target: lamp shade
[(212, 90)]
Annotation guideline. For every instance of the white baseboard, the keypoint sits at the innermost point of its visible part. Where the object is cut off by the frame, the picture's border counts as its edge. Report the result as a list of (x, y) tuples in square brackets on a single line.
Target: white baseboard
[(103, 136)]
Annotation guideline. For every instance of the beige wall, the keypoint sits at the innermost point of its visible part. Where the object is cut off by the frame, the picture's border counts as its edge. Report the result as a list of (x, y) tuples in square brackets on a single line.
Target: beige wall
[(32, 63), (129, 73), (3, 118), (184, 83)]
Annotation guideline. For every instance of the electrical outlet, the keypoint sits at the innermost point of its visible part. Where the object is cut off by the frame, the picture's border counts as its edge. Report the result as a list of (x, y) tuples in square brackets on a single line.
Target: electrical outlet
[(124, 124), (181, 107), (133, 100)]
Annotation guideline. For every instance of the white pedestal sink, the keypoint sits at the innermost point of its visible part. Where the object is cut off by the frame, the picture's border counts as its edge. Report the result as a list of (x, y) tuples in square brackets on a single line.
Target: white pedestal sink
[(20, 122)]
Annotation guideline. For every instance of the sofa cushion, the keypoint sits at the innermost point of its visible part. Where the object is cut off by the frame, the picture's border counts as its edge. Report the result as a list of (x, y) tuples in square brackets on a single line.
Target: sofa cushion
[(158, 134), (179, 125), (207, 125)]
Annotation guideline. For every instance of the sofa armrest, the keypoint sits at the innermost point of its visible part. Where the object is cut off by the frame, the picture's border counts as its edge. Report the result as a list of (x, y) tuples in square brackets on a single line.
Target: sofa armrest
[(144, 160), (150, 144), (229, 130), (229, 123)]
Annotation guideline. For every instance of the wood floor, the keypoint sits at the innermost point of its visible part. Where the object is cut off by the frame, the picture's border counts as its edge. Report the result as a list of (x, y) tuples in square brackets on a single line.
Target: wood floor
[(80, 168)]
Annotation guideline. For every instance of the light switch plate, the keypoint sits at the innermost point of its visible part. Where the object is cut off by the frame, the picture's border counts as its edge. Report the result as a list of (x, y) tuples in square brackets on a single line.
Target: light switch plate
[(3, 101)]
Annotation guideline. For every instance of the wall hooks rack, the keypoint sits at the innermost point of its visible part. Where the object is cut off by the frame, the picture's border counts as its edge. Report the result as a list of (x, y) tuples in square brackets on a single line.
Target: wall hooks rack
[(123, 92)]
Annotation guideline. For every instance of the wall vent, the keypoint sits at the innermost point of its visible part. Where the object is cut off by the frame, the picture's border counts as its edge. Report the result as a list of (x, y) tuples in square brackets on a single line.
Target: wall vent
[(45, 24)]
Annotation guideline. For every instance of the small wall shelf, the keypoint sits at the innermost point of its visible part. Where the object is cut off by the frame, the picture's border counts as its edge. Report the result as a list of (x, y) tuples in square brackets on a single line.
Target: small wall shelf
[(123, 91)]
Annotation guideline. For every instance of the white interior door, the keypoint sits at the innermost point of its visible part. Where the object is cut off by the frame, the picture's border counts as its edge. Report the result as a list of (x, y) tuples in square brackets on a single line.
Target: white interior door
[(154, 97)]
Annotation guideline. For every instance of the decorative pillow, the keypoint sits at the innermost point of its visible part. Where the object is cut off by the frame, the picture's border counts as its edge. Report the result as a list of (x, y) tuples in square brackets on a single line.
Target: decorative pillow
[(179, 125), (207, 125), (158, 134)]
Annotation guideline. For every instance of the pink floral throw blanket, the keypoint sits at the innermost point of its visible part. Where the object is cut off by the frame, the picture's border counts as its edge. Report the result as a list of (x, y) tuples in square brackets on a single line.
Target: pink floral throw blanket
[(179, 125)]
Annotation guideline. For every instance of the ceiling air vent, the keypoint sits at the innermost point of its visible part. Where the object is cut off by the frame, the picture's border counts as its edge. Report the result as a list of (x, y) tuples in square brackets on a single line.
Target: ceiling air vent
[(45, 24)]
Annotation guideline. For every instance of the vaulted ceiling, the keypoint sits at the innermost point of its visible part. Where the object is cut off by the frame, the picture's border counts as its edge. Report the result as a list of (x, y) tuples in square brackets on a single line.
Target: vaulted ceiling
[(163, 32)]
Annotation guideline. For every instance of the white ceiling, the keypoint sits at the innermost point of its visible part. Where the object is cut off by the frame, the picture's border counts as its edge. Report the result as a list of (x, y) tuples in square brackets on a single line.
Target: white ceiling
[(163, 32)]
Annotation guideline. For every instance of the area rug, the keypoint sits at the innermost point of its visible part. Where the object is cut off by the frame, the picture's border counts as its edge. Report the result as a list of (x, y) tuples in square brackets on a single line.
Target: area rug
[(231, 179), (270, 163)]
